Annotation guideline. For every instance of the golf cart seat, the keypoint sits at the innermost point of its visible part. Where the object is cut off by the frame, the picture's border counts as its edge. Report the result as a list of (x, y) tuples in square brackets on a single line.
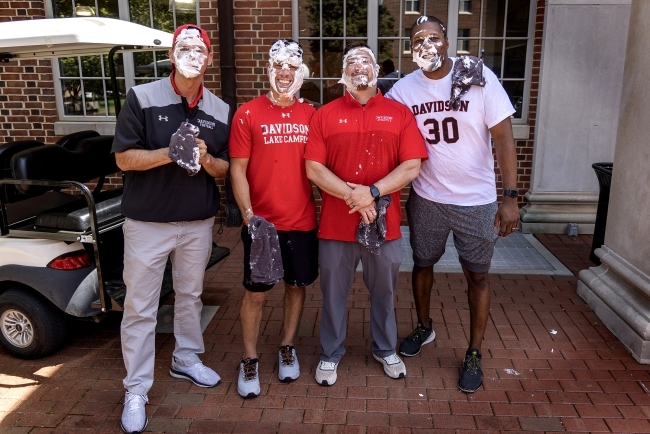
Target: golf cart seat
[(72, 140), (90, 159), (75, 216), (8, 193)]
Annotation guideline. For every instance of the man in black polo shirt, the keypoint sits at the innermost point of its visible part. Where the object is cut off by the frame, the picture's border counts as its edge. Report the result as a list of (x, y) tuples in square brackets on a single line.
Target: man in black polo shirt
[(168, 213)]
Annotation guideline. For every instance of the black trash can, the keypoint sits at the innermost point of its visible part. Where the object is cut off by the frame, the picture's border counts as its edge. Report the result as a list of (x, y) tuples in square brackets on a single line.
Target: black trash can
[(604, 174)]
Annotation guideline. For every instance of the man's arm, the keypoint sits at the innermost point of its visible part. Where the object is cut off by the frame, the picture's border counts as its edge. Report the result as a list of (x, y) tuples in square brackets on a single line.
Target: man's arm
[(397, 179), (216, 167), (141, 159), (327, 181), (507, 217), (240, 187)]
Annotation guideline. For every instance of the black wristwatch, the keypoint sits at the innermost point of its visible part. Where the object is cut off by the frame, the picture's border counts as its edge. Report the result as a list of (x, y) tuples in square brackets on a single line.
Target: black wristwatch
[(375, 192), (511, 192)]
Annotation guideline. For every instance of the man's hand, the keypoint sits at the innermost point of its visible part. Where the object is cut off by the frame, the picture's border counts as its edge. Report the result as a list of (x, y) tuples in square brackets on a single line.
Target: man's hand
[(247, 216), (359, 198), (204, 157), (368, 213), (507, 217)]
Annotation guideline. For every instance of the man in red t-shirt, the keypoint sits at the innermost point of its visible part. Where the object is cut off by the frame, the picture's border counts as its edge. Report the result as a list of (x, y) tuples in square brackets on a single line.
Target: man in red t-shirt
[(361, 146), (267, 144)]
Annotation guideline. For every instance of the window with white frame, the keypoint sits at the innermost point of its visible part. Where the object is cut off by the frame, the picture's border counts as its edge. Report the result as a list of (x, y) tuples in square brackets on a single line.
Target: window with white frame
[(499, 31), (412, 6), (83, 85), (465, 6)]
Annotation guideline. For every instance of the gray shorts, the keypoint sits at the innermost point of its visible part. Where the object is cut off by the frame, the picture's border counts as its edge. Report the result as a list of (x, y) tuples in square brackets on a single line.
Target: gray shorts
[(472, 226)]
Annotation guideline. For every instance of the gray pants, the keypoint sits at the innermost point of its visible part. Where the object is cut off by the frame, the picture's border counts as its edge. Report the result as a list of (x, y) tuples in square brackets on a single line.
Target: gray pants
[(146, 248), (338, 262)]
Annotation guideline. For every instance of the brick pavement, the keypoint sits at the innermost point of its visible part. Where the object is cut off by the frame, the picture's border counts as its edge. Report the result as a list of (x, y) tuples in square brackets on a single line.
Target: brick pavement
[(549, 364)]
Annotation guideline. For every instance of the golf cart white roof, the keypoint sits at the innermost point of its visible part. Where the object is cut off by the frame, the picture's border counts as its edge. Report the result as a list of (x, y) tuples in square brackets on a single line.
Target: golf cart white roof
[(63, 37)]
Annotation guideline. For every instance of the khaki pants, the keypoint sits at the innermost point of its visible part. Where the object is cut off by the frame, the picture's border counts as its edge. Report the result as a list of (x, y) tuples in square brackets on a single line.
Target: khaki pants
[(146, 248)]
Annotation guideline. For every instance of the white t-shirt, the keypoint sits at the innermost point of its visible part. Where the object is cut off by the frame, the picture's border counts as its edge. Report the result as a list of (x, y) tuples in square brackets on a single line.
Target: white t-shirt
[(460, 168)]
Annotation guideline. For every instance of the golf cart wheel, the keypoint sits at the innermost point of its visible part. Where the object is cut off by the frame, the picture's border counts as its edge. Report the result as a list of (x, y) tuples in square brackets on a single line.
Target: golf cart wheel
[(30, 327)]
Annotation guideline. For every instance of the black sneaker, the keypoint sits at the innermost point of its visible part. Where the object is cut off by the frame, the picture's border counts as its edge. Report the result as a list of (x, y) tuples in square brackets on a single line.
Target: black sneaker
[(471, 376), (412, 345)]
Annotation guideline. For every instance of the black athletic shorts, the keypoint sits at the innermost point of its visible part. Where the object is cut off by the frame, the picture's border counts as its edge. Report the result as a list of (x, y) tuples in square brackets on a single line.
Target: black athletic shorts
[(299, 251)]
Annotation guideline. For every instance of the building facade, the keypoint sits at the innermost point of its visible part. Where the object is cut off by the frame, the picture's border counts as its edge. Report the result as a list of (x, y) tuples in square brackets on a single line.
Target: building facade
[(44, 99)]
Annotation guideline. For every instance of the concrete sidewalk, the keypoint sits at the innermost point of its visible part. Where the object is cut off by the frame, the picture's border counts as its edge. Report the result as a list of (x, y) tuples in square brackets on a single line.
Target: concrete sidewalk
[(549, 365)]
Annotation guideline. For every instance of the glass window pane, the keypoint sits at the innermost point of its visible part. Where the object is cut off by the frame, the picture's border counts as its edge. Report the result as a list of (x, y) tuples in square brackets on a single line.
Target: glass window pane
[(62, 8), (332, 19), (119, 65), (85, 8), (470, 16), (109, 94), (309, 19), (332, 58), (108, 8), (163, 18), (491, 54), (163, 64), (91, 66), (436, 8), (94, 98), (69, 66), (388, 19), (356, 13), (514, 65), (493, 14), (311, 57), (311, 90), (71, 90), (144, 66), (515, 90), (139, 12), (517, 18)]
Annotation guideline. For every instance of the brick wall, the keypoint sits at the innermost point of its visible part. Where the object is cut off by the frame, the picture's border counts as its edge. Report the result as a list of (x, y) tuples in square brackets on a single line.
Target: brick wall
[(27, 104)]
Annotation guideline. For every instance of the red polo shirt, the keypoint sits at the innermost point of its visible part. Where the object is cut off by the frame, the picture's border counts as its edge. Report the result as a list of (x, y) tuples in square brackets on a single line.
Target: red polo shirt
[(361, 144)]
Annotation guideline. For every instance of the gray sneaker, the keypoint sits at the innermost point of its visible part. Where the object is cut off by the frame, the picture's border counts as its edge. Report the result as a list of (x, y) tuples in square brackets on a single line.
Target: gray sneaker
[(326, 373), (288, 367), (198, 374), (248, 383), (134, 417), (393, 365)]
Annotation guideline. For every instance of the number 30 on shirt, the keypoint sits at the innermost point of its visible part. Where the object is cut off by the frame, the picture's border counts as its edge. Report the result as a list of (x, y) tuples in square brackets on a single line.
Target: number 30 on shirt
[(449, 130)]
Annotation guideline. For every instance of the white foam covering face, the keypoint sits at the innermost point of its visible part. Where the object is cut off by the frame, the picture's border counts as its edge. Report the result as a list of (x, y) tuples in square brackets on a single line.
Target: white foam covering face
[(189, 53), (358, 60), (285, 69), (427, 56)]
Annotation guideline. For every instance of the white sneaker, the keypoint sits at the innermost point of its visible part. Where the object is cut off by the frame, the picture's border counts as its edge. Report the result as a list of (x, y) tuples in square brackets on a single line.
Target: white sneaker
[(134, 417), (326, 373), (198, 374), (393, 365), (288, 367), (248, 383)]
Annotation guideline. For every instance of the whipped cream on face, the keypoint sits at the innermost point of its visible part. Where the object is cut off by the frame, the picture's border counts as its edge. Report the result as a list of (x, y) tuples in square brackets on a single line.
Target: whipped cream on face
[(359, 57), (427, 57), (189, 53), (285, 56)]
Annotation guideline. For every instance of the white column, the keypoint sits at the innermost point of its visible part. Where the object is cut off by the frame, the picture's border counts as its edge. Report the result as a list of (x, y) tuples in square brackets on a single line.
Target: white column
[(619, 290), (581, 75)]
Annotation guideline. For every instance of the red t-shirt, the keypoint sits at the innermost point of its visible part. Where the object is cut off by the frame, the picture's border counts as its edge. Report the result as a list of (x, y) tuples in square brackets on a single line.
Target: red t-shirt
[(361, 144), (273, 138)]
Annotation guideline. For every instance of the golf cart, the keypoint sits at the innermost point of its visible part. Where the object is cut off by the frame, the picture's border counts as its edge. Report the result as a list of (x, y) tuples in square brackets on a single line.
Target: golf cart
[(61, 252)]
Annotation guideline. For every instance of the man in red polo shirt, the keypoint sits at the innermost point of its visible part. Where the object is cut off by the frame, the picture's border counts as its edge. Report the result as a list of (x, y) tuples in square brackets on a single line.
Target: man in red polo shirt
[(360, 147), (267, 144)]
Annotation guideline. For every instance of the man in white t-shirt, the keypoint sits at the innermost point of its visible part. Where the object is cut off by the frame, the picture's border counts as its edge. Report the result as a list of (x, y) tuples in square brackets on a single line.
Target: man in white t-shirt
[(456, 189)]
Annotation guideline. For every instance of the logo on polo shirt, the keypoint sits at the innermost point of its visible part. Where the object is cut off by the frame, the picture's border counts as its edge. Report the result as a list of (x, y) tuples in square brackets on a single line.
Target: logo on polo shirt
[(206, 124), (161, 118), (286, 115), (384, 118), (343, 121)]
